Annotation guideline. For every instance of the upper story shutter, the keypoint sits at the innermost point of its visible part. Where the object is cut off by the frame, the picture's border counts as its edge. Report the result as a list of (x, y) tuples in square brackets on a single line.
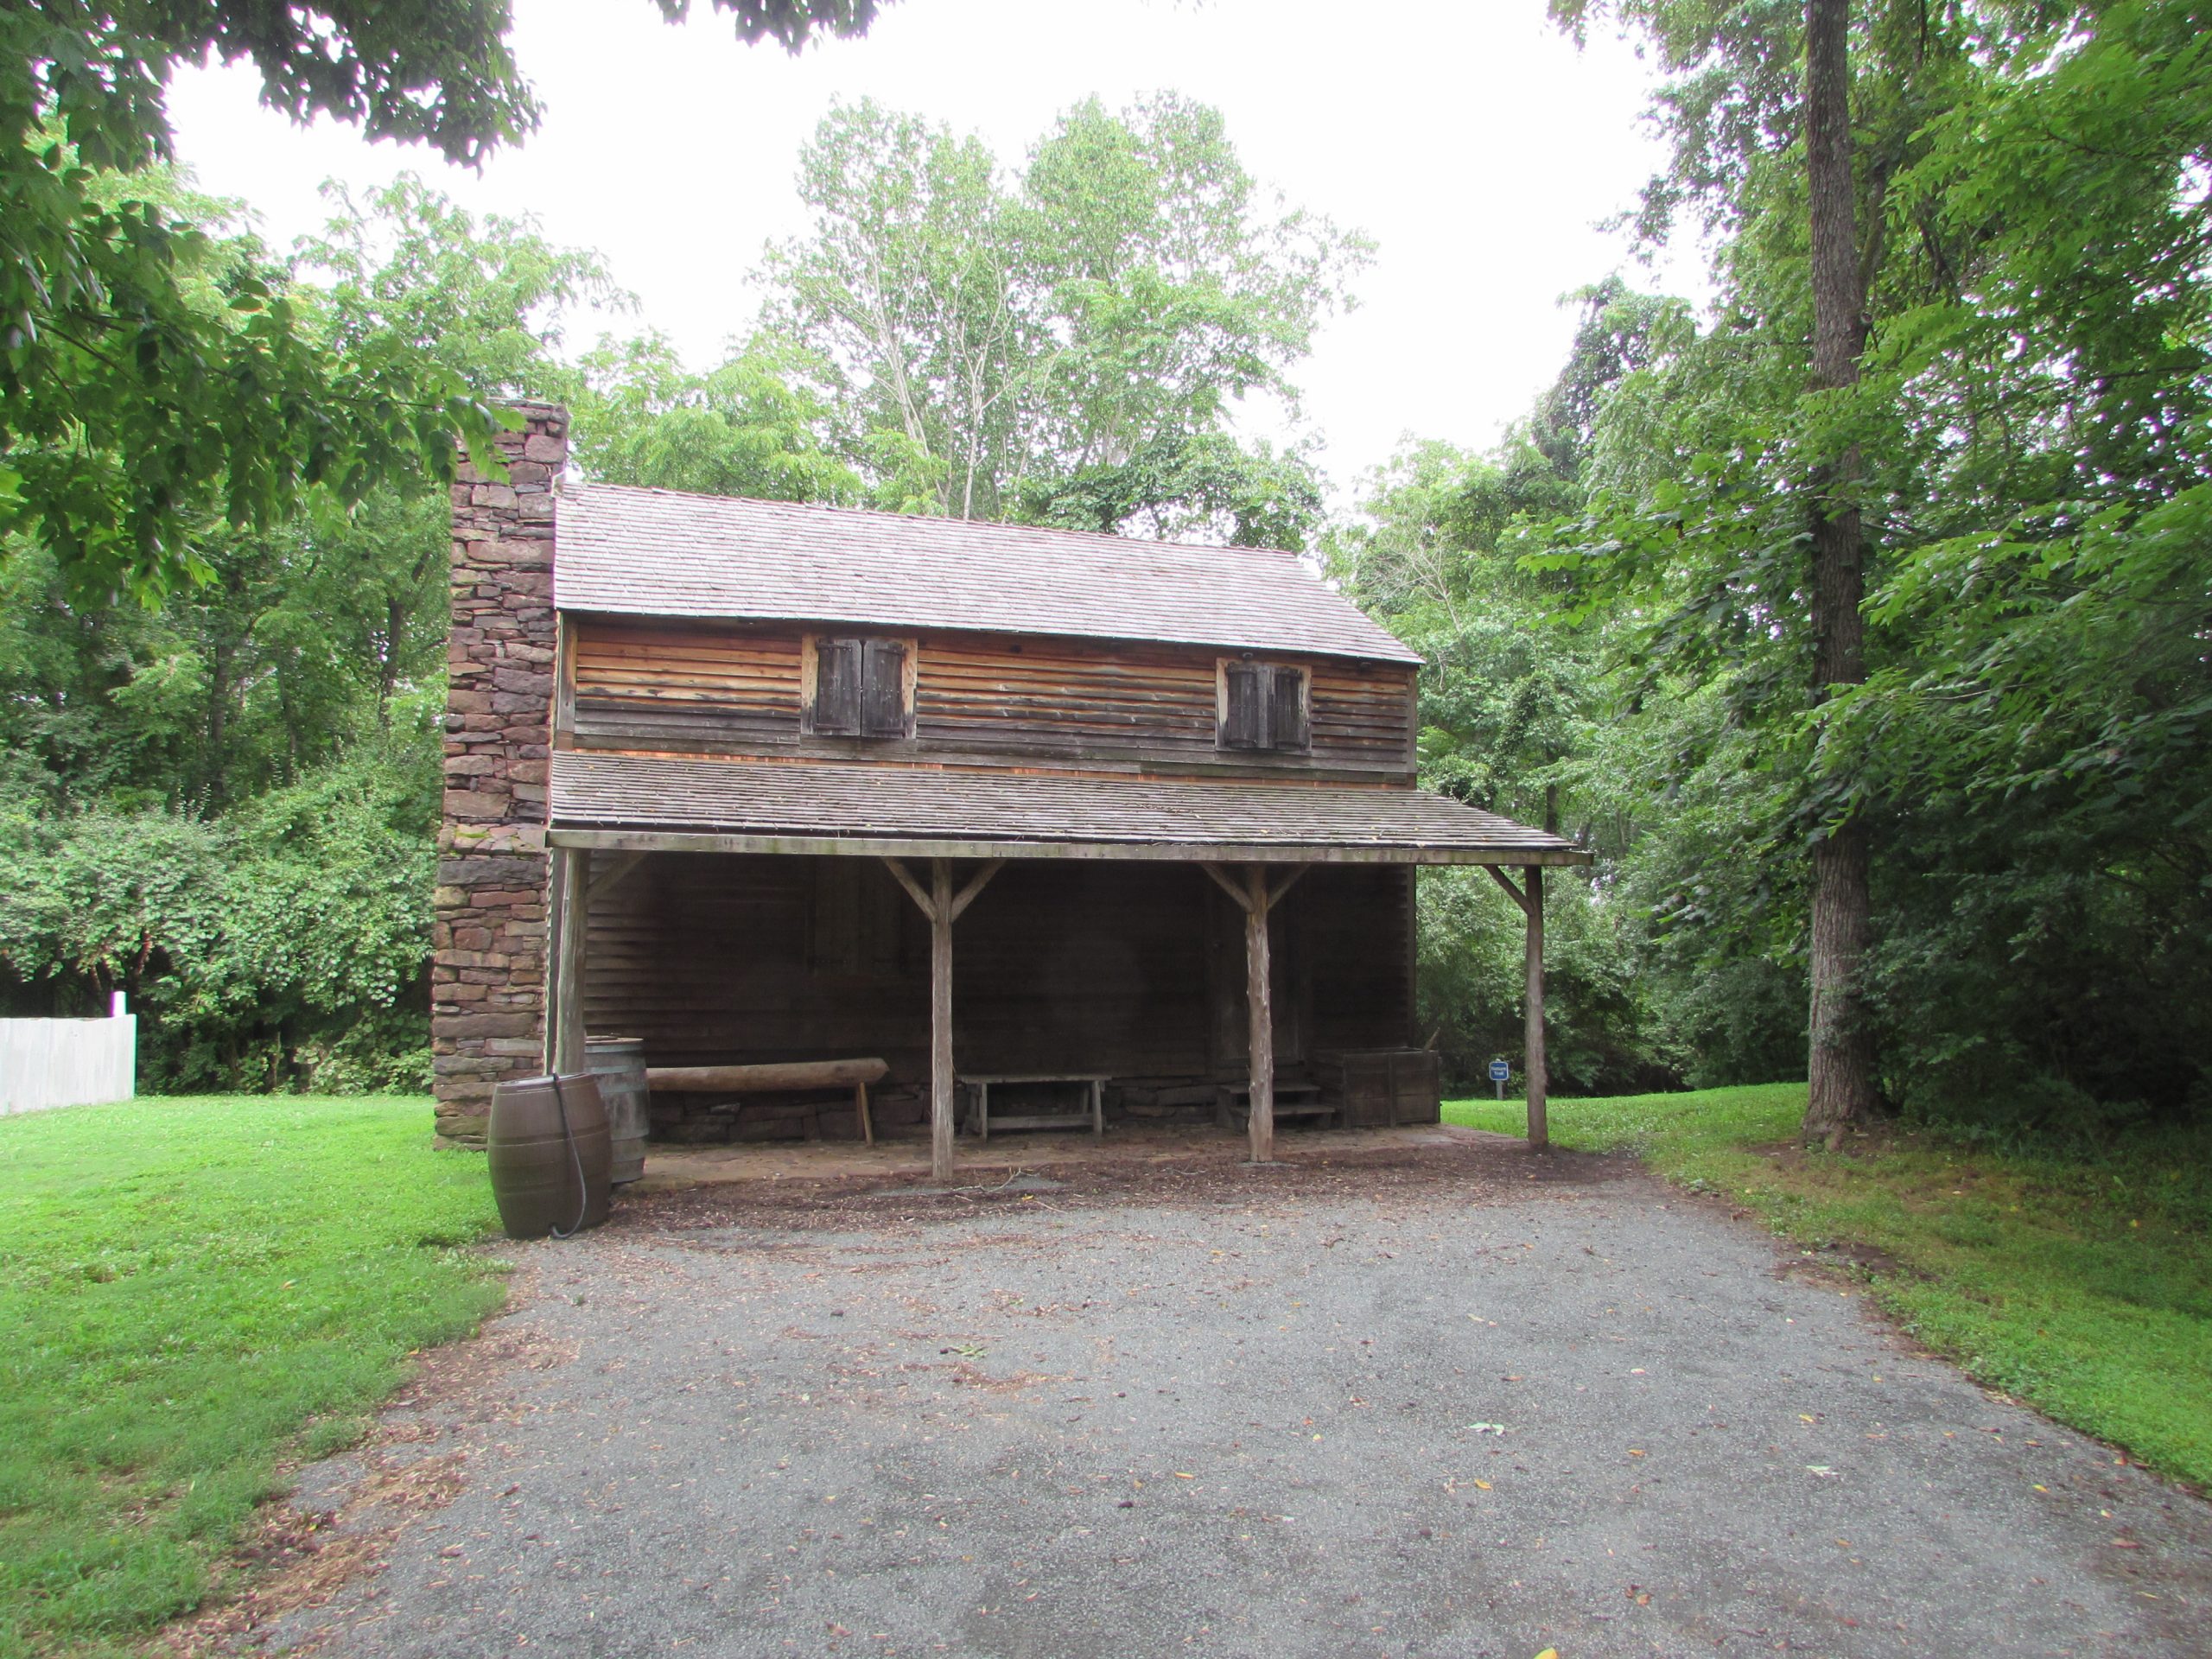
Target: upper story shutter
[(883, 690), (837, 687), (1244, 721), (1287, 726)]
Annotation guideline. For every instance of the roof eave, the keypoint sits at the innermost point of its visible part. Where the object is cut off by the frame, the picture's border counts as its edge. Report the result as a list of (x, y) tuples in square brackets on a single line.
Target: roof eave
[(1404, 657), (609, 837)]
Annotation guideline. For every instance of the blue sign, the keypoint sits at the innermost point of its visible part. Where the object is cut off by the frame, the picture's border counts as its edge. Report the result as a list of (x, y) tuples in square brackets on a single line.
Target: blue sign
[(1499, 1070)]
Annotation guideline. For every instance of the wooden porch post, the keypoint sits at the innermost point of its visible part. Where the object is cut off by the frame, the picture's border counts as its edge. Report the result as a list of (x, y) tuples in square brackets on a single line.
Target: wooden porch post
[(1261, 1011), (1539, 1134), (944, 908), (940, 909), (568, 919), (1531, 901), (1256, 899)]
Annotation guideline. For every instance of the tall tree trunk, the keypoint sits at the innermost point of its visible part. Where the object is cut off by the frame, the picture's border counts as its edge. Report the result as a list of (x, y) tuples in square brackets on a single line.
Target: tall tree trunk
[(1841, 1062), (395, 624), (213, 775)]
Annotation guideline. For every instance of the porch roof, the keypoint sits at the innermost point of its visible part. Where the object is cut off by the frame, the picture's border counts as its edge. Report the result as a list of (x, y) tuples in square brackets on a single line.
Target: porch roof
[(636, 802)]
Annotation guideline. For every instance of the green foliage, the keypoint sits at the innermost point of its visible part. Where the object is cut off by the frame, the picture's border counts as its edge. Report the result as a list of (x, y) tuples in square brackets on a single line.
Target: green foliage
[(256, 1270), (2076, 1277), (226, 806), (405, 268), (282, 945), (1514, 720), (153, 377), (1470, 965), (2027, 752), (1062, 343), (1181, 486), (749, 427)]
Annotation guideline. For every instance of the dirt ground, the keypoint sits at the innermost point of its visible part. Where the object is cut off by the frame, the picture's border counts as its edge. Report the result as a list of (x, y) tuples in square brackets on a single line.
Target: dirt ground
[(1420, 1395)]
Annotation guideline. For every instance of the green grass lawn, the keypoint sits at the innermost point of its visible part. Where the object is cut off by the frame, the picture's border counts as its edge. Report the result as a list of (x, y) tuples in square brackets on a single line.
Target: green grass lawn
[(2082, 1285), (194, 1290)]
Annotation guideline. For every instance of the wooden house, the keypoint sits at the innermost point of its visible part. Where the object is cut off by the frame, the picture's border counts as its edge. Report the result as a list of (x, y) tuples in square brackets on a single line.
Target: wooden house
[(776, 786)]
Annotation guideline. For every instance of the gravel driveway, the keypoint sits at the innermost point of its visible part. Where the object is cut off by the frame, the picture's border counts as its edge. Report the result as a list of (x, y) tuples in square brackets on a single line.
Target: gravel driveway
[(1448, 1400)]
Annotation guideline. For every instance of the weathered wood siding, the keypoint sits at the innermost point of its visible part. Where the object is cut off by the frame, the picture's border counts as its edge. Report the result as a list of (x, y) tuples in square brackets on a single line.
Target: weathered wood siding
[(666, 685), (1065, 701), (717, 958)]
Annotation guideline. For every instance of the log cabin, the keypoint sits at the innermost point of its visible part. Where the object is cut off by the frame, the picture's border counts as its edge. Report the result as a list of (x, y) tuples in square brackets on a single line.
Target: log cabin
[(1111, 828)]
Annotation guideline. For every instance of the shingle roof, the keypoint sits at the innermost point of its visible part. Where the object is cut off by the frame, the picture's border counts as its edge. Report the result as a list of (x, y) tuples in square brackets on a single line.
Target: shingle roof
[(769, 800), (663, 553)]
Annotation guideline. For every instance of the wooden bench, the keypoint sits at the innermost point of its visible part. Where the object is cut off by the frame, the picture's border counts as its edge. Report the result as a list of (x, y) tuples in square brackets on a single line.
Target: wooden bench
[(781, 1076), (1096, 1117)]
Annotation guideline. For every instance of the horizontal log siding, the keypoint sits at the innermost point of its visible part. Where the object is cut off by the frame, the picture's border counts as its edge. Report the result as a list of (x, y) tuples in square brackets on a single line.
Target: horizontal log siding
[(1362, 718), (1362, 950), (722, 959), (676, 683), (1054, 697), (1051, 700)]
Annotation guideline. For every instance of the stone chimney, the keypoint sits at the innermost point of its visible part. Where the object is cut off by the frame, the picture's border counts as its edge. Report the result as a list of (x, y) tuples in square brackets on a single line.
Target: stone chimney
[(487, 978)]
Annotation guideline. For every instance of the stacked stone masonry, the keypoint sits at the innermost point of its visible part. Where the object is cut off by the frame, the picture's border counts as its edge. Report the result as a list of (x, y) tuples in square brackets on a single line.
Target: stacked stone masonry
[(487, 981)]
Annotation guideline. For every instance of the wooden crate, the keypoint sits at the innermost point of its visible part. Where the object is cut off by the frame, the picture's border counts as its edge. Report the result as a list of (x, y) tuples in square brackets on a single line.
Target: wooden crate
[(1379, 1087)]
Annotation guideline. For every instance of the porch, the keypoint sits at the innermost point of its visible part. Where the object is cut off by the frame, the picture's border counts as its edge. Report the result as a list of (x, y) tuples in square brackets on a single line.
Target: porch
[(1181, 942), (1036, 1162)]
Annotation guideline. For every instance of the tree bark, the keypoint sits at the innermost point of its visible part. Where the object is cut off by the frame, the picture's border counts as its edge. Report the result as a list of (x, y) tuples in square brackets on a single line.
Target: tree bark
[(1840, 1063)]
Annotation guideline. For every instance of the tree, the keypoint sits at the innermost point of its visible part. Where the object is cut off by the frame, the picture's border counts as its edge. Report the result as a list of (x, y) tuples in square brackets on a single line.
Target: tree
[(303, 637), (226, 804), (1064, 338), (750, 426), (1514, 714), (2002, 419), (1840, 1066), (131, 406), (1184, 487)]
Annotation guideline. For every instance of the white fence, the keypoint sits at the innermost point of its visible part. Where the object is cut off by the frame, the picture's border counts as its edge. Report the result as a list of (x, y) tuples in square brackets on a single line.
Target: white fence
[(46, 1063)]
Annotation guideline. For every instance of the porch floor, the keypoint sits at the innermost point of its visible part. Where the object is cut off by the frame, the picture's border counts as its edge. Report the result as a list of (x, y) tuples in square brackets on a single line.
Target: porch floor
[(673, 1168)]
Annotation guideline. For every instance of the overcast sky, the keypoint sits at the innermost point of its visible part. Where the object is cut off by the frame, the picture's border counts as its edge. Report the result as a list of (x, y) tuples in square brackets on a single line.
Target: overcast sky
[(1477, 147)]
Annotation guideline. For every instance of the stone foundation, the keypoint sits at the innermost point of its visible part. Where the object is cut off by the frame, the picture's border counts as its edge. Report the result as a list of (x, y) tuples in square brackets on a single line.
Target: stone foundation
[(487, 979)]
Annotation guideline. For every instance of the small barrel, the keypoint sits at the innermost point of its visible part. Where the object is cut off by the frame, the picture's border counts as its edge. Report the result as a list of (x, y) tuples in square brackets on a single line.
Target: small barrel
[(618, 1063), (535, 1154)]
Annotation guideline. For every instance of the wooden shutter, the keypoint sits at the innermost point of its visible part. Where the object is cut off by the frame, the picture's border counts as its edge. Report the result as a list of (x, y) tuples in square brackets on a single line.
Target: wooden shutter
[(1244, 720), (1287, 720), (883, 692), (837, 687)]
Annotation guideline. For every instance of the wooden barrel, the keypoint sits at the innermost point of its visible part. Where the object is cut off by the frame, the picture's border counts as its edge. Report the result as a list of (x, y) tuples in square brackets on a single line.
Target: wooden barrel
[(534, 1163), (618, 1063)]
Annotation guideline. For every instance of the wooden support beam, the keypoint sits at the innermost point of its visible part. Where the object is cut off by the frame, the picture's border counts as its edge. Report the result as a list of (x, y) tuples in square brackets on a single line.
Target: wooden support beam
[(981, 879), (617, 867), (556, 908), (914, 889), (1233, 887), (1539, 1124), (1511, 891), (1531, 901), (942, 909), (569, 907), (1275, 892), (941, 1077), (1257, 996)]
